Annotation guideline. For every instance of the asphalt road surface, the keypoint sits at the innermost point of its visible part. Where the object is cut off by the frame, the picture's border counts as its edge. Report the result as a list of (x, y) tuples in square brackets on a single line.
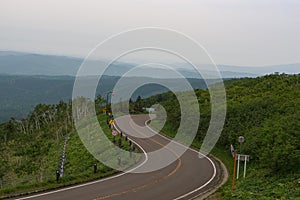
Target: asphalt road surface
[(185, 178)]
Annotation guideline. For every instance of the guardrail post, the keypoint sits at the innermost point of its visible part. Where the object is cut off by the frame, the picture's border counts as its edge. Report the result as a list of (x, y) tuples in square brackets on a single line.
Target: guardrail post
[(57, 175), (119, 160), (95, 168)]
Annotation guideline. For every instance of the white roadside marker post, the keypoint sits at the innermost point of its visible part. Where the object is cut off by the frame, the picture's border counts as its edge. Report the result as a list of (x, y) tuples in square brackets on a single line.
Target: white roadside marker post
[(238, 166), (246, 156)]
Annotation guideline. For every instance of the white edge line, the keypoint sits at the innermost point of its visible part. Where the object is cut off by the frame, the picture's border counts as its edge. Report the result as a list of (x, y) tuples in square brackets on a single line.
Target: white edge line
[(93, 182), (212, 163)]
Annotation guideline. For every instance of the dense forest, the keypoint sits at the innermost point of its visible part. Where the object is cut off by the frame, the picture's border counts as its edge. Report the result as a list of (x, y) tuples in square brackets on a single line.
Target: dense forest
[(20, 94), (266, 111)]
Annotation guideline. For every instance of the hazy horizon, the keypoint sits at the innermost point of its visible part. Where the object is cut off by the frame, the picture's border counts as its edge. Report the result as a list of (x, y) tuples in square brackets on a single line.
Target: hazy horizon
[(139, 61), (242, 33)]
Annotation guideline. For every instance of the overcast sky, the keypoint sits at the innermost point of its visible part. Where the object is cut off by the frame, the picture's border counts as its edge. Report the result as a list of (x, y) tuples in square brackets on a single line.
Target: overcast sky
[(234, 32)]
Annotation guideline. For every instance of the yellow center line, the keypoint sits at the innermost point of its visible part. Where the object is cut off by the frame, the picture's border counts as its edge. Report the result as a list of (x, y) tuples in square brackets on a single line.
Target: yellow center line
[(152, 181), (155, 141)]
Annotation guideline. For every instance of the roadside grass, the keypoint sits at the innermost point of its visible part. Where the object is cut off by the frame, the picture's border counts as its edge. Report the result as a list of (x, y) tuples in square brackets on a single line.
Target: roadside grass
[(79, 166), (258, 183)]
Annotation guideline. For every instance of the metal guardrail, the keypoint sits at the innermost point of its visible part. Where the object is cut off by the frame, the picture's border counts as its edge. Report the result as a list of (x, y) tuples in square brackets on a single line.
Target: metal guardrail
[(63, 157)]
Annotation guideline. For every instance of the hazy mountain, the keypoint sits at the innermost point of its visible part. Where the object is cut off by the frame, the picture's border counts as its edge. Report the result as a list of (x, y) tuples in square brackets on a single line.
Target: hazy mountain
[(263, 70), (34, 64), (228, 71), (18, 63)]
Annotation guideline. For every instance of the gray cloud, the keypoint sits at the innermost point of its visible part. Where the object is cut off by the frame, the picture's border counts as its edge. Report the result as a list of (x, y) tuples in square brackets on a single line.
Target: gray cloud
[(248, 32)]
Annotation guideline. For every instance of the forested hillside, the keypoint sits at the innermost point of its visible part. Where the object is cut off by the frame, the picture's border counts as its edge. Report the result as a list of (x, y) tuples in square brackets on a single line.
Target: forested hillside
[(20, 94), (266, 111), (32, 150)]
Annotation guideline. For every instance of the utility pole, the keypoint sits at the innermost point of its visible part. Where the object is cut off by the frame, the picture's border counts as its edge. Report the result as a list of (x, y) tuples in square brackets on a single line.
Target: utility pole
[(234, 171), (107, 94)]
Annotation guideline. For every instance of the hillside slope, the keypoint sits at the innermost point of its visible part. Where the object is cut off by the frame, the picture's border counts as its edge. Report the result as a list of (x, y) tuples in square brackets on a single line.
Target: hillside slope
[(20, 94), (31, 151), (266, 111)]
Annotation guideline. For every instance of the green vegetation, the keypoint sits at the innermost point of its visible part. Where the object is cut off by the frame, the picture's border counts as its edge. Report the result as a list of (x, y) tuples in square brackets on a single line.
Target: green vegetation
[(266, 111), (31, 151), (20, 94)]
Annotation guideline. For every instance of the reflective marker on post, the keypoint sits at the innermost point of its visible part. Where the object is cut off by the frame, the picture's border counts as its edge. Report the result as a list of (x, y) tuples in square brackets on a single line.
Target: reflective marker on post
[(241, 140), (95, 168), (57, 175)]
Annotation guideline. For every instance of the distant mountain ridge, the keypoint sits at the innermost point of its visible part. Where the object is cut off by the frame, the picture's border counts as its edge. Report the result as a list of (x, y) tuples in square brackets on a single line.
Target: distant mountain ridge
[(15, 63), (20, 63)]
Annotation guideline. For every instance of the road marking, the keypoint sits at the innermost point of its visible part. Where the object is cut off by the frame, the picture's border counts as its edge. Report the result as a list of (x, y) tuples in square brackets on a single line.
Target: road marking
[(142, 186), (184, 195), (155, 141), (93, 182), (134, 189), (212, 163), (150, 182)]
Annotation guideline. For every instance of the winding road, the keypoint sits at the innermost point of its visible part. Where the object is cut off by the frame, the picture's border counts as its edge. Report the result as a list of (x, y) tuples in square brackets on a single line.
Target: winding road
[(188, 176)]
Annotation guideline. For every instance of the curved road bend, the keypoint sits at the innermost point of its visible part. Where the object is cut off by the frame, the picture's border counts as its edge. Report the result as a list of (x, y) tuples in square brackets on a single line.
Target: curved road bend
[(185, 178)]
